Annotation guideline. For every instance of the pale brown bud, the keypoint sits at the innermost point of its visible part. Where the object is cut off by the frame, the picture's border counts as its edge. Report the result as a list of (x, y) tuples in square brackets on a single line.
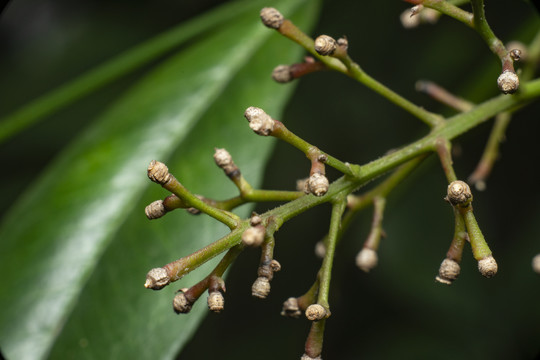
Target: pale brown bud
[(448, 271), (259, 121), (318, 184), (459, 193), (517, 47), (307, 357), (261, 287), (157, 278), (158, 172), (316, 312), (291, 308), (255, 220), (155, 210), (271, 17), (254, 235), (301, 185), (343, 43), (320, 249), (282, 74), (536, 263), (367, 259), (222, 158), (275, 265), (325, 45), (508, 82), (181, 304), (216, 301), (488, 266)]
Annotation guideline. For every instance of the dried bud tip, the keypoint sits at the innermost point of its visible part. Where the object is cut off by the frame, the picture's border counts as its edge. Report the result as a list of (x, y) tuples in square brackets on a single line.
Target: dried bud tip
[(156, 279), (259, 121), (459, 193), (316, 312), (271, 17), (325, 45), (307, 357), (488, 266), (222, 158), (282, 74), (216, 301), (261, 287), (181, 304), (254, 235), (291, 308), (155, 210), (343, 43), (158, 172), (515, 54), (536, 264), (275, 265), (448, 272), (367, 259), (255, 220), (318, 184), (508, 82)]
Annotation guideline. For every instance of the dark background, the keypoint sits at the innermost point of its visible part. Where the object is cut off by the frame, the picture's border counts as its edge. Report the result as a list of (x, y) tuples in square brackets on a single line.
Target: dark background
[(396, 311)]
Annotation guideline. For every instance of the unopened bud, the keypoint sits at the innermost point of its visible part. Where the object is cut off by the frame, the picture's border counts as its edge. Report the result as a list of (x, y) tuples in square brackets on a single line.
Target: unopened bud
[(316, 312), (261, 287), (282, 74), (216, 301), (155, 210), (325, 45), (343, 43), (181, 304), (508, 82), (255, 220), (515, 54), (536, 263), (318, 184), (271, 17), (307, 357), (158, 172), (488, 266), (291, 308), (320, 249), (459, 193), (157, 278), (301, 185), (254, 235), (259, 121), (275, 265), (448, 271), (222, 158), (367, 259)]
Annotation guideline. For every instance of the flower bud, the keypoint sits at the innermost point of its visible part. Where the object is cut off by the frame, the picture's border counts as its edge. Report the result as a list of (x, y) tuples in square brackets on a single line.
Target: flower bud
[(271, 17), (181, 304), (155, 210), (488, 266), (282, 74), (261, 287), (318, 184), (254, 235), (536, 263), (320, 249), (508, 82), (291, 308), (316, 312), (216, 301), (448, 272), (459, 193), (158, 172), (307, 357), (157, 278), (367, 259), (259, 121), (325, 45)]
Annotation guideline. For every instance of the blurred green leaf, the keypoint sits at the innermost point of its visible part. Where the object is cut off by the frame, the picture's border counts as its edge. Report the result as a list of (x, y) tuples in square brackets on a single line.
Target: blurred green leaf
[(77, 245)]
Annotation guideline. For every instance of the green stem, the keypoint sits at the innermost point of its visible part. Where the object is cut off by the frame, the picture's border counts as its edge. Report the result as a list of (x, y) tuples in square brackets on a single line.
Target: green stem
[(314, 342), (479, 246), (374, 237), (460, 236), (444, 150), (482, 27), (451, 10)]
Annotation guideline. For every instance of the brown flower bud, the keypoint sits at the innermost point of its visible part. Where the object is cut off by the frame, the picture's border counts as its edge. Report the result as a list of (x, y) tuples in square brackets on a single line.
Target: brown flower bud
[(282, 74), (318, 184), (157, 278), (259, 121), (275, 265), (158, 172), (255, 219), (488, 266), (181, 304), (367, 259), (459, 193), (216, 301), (325, 45), (515, 54), (536, 263), (448, 271), (316, 312), (261, 287), (291, 308), (254, 235), (508, 82), (155, 210), (271, 17)]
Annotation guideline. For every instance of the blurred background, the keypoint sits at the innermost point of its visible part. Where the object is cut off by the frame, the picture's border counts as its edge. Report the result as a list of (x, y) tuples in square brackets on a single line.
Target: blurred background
[(397, 310)]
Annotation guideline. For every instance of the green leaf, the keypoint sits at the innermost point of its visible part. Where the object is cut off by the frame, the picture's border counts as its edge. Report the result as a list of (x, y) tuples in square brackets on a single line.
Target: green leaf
[(77, 245)]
